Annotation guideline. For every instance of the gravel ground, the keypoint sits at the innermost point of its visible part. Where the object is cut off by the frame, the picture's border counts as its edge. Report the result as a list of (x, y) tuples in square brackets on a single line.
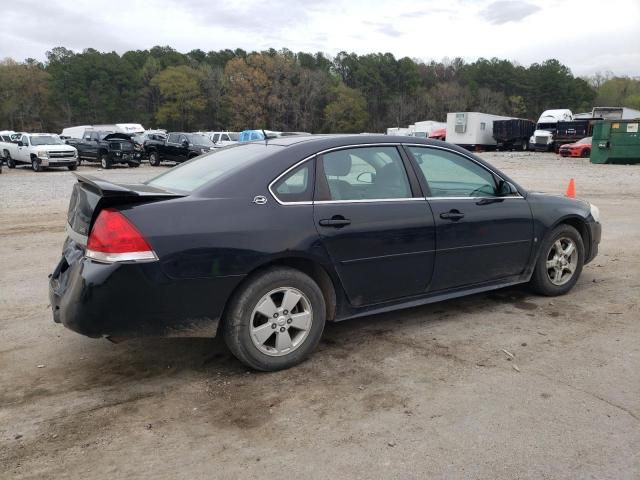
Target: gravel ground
[(421, 393)]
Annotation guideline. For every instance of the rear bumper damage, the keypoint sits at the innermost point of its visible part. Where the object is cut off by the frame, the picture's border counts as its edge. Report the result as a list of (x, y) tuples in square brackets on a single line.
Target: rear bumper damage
[(134, 300)]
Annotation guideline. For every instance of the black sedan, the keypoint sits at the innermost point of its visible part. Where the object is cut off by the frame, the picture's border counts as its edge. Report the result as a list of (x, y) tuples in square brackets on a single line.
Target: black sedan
[(265, 242)]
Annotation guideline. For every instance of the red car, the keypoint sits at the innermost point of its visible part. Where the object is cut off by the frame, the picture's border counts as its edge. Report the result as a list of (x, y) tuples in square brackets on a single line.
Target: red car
[(440, 134), (582, 148)]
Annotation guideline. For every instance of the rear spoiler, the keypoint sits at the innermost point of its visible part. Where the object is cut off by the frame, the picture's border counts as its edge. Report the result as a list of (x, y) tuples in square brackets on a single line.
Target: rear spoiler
[(106, 189)]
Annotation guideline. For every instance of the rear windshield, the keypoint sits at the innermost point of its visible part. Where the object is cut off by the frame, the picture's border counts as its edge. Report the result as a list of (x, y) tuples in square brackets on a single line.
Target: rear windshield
[(196, 173)]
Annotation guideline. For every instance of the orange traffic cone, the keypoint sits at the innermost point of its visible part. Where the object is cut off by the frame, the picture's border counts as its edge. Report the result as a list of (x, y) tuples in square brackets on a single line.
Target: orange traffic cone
[(571, 189)]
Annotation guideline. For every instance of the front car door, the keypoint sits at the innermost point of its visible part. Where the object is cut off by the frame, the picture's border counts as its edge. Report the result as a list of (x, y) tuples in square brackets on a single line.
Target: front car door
[(484, 227), (374, 223), (24, 155)]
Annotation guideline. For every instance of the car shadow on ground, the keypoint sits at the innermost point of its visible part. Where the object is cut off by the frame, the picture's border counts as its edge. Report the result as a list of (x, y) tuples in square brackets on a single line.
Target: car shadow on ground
[(138, 359)]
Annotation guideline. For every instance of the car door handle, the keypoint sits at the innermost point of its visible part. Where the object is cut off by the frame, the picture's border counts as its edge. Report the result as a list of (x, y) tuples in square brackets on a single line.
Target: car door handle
[(452, 215), (336, 221)]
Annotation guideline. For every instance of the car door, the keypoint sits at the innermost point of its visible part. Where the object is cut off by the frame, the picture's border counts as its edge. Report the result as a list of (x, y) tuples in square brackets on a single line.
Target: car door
[(172, 151), (90, 145), (24, 154), (484, 227), (183, 149), (374, 223)]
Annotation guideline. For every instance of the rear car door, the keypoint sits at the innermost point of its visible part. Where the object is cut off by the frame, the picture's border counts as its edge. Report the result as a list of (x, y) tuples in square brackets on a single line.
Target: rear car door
[(170, 150), (484, 227), (374, 223)]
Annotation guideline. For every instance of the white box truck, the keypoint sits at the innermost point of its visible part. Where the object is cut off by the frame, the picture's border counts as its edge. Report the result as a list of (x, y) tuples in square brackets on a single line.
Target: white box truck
[(472, 130)]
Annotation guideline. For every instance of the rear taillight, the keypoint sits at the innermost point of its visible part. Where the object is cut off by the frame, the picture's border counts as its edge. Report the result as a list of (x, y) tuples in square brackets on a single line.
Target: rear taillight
[(113, 238)]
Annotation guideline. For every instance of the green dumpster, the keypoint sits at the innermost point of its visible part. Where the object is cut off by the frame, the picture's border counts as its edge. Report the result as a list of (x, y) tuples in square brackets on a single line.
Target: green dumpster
[(616, 141)]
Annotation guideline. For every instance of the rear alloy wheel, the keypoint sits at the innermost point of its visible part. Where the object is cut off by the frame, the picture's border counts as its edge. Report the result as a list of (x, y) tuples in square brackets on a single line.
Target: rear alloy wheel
[(105, 162), (154, 159), (586, 153), (560, 263), (11, 163), (276, 320), (35, 165)]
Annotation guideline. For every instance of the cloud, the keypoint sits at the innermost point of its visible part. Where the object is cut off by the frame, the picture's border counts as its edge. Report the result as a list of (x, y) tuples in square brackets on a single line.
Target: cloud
[(504, 11), (385, 28)]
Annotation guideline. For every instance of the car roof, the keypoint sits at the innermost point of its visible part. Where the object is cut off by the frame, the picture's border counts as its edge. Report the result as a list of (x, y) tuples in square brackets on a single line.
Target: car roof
[(336, 140)]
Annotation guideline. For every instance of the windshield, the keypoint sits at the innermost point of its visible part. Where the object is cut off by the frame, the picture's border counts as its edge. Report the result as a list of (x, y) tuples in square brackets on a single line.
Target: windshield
[(201, 170), (546, 126), (199, 140), (46, 140), (586, 140)]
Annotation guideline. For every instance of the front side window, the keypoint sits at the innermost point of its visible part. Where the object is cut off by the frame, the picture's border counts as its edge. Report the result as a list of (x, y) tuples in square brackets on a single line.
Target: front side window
[(297, 185), (173, 138), (451, 175), (366, 173)]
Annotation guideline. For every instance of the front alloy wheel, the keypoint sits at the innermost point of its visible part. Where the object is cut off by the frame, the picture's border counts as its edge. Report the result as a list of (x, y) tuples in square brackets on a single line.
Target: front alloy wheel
[(562, 261), (559, 263)]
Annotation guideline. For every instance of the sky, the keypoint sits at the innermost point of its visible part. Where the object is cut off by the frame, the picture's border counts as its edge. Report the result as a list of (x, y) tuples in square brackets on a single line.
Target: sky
[(588, 36)]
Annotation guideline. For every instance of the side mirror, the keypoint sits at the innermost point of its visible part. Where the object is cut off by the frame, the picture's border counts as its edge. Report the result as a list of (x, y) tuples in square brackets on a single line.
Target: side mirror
[(20, 144), (505, 189), (185, 143)]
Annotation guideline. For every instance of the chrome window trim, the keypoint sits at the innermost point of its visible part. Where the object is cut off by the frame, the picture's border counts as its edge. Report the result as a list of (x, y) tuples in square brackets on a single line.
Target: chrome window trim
[(368, 200), (474, 198), (343, 147)]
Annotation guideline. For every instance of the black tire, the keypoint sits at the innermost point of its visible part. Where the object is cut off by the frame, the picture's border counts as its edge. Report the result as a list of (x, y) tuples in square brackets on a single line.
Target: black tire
[(73, 167), (238, 319), (586, 153), (105, 161), (540, 280), (35, 165), (154, 159), (10, 161)]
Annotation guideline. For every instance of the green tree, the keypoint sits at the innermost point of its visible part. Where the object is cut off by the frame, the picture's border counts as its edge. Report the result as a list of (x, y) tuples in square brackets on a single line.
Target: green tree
[(181, 96), (347, 111)]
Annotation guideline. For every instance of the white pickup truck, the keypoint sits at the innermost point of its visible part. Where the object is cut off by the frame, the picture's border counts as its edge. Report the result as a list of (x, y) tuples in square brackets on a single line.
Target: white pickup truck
[(39, 150)]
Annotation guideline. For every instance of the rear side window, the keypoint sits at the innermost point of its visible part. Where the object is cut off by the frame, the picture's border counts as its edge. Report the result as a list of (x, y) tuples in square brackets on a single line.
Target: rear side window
[(196, 173), (297, 185), (365, 173)]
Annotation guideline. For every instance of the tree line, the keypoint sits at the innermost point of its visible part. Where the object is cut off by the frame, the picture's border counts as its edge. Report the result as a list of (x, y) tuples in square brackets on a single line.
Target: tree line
[(283, 90)]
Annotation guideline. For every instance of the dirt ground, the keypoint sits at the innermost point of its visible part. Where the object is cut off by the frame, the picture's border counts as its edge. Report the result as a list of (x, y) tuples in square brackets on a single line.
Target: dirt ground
[(421, 393)]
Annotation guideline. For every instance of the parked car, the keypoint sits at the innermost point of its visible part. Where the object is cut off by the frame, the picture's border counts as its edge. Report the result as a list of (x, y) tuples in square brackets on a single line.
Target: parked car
[(582, 148), (224, 139), (40, 150), (264, 242), (108, 148), (143, 140), (177, 147), (5, 136)]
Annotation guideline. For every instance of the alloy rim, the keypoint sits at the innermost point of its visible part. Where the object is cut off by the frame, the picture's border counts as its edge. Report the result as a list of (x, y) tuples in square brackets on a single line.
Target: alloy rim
[(562, 261), (281, 321)]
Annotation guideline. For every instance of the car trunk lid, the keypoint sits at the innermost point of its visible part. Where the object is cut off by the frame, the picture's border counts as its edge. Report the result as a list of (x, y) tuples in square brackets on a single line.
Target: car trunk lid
[(91, 194)]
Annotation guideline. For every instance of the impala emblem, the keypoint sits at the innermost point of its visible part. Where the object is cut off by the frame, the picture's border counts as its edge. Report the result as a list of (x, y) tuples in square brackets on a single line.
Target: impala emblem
[(259, 200)]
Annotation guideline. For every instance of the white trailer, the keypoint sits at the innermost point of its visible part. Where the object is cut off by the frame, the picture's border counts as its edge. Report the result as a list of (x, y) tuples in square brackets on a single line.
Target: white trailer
[(404, 132), (615, 113), (472, 130)]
